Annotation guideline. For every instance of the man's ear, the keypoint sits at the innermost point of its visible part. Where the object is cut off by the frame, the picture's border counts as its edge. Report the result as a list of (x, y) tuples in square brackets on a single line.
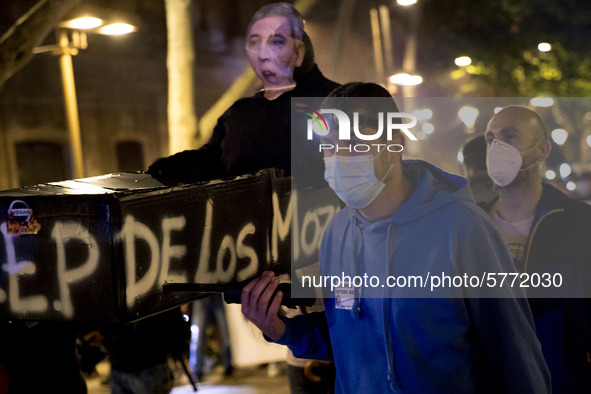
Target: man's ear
[(546, 147), (301, 52), (397, 139)]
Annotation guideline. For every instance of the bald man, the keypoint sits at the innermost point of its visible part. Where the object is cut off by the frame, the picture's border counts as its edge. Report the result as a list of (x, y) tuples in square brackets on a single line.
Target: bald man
[(546, 232)]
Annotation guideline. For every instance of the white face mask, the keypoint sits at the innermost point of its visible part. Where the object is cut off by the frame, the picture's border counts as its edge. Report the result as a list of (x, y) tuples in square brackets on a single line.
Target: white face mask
[(503, 162), (353, 179)]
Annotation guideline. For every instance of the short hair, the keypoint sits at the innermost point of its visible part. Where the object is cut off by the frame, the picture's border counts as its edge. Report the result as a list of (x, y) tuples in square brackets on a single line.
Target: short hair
[(362, 89), (287, 10), (366, 109)]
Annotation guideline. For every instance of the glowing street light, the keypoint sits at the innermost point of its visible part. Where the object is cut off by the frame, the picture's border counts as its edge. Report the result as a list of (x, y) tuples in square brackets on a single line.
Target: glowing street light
[(406, 2), (544, 47), (405, 79), (463, 61), (82, 23), (117, 29)]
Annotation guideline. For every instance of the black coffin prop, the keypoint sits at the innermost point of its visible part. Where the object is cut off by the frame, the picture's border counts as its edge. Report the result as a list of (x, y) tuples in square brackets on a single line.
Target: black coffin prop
[(99, 249)]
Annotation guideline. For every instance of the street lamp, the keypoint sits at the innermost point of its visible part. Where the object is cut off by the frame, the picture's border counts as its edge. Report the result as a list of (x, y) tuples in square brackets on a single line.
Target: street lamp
[(117, 29), (82, 23), (406, 2), (70, 39), (410, 49), (382, 45), (93, 24)]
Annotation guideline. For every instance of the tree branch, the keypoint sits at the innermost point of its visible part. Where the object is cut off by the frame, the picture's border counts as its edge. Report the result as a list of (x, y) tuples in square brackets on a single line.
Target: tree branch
[(16, 45)]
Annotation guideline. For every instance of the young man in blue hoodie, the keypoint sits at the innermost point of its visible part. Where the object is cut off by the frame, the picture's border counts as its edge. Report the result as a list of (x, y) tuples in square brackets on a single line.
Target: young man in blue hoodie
[(407, 219)]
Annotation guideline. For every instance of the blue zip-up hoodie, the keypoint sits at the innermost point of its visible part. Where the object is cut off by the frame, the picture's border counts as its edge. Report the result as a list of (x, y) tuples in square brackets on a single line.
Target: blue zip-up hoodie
[(422, 345)]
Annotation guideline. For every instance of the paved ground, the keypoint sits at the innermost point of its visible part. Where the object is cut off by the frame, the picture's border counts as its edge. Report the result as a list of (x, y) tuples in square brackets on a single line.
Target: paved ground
[(253, 380)]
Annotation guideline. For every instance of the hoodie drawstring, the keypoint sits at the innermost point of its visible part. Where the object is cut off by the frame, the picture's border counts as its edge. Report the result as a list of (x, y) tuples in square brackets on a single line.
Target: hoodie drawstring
[(392, 376), (357, 311)]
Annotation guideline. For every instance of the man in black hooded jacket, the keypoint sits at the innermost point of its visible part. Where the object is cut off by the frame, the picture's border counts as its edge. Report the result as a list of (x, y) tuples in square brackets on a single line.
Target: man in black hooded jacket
[(547, 233), (256, 132), (253, 134)]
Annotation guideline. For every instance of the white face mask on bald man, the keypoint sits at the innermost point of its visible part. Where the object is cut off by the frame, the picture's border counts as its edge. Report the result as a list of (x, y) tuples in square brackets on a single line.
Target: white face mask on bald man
[(503, 162)]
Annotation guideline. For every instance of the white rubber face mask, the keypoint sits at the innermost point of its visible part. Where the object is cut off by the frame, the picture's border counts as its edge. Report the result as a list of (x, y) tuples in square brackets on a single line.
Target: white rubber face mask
[(353, 179), (503, 162), (272, 52)]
